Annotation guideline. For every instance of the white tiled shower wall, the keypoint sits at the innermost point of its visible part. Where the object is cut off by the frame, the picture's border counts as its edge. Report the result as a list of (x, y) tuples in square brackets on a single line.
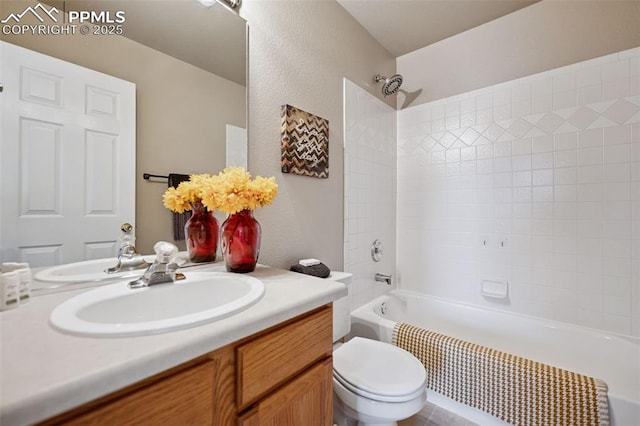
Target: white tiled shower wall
[(535, 182), (370, 191)]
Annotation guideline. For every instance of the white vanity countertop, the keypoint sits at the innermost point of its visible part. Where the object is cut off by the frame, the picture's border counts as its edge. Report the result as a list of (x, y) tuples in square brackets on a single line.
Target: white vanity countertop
[(44, 372)]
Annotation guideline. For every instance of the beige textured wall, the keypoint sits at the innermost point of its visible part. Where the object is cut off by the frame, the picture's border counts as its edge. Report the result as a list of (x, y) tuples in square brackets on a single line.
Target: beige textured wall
[(299, 52), (181, 113), (544, 36)]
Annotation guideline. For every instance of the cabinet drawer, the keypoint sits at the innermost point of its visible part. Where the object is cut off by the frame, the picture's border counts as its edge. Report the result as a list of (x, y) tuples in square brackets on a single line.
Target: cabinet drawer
[(270, 360)]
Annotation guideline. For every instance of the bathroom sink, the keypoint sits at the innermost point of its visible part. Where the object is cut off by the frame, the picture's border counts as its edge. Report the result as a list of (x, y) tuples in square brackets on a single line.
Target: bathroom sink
[(115, 310), (88, 270)]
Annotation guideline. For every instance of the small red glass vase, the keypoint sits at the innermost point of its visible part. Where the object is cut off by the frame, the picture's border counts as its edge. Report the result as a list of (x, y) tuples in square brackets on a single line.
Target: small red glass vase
[(201, 232), (241, 241)]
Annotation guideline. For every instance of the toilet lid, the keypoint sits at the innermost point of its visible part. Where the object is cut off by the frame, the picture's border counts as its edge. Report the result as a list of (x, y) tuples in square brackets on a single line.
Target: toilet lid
[(378, 369)]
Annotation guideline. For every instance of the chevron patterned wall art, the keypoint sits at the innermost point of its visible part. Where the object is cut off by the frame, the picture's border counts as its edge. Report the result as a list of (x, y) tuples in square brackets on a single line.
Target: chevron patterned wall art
[(305, 143)]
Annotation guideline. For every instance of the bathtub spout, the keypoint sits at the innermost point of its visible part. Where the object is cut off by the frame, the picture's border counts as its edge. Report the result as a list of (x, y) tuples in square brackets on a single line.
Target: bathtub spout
[(383, 278)]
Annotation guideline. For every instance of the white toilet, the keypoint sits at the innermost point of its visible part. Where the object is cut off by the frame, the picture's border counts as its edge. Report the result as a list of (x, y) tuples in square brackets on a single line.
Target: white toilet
[(374, 383)]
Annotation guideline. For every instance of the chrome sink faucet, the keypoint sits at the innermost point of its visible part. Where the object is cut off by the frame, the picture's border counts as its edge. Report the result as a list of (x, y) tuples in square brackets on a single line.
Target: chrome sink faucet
[(128, 257), (162, 270)]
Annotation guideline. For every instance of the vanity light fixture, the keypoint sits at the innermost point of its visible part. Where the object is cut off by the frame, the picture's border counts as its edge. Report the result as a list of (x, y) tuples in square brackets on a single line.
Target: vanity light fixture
[(233, 4)]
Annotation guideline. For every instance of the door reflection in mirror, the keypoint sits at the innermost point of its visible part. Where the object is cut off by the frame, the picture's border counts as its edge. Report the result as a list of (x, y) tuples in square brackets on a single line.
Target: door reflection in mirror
[(183, 107)]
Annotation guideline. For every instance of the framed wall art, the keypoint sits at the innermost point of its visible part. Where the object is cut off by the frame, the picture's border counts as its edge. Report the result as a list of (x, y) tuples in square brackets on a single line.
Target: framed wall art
[(305, 143)]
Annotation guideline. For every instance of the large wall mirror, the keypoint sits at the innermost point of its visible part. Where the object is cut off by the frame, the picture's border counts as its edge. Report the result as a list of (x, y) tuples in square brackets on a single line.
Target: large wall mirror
[(189, 64)]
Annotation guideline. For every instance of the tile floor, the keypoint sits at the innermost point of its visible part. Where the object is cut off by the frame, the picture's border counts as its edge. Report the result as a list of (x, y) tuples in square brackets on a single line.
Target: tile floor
[(433, 415)]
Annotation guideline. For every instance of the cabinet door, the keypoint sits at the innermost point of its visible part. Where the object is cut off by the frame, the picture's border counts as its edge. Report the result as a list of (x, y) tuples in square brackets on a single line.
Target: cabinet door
[(306, 400), (181, 399)]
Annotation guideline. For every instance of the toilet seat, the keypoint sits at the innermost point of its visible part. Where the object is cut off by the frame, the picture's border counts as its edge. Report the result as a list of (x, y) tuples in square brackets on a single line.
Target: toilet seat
[(376, 397), (378, 371)]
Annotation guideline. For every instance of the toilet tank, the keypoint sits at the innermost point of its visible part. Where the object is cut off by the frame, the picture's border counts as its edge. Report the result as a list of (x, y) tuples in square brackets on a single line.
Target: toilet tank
[(341, 310)]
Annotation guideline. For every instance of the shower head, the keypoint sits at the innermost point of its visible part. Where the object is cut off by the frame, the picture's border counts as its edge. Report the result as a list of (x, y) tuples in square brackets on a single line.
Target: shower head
[(390, 85)]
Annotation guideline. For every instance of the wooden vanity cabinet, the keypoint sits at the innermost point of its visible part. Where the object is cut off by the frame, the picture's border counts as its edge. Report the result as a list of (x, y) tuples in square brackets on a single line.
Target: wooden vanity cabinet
[(281, 376), (285, 376), (305, 400)]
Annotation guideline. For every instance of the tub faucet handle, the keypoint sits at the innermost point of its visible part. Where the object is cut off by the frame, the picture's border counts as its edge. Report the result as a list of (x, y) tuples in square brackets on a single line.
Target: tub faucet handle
[(383, 278)]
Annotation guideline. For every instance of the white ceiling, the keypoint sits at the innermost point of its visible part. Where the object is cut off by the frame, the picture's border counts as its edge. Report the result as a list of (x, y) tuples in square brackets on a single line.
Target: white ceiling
[(183, 29), (402, 26)]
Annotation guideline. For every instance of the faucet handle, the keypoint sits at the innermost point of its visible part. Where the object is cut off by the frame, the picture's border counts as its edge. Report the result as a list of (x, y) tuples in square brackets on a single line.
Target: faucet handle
[(165, 252)]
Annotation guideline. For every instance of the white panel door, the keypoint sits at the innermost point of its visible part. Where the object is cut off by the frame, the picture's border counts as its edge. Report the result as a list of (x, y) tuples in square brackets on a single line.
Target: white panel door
[(67, 159)]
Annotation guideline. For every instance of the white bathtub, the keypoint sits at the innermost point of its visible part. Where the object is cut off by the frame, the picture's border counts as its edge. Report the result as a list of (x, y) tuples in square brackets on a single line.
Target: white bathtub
[(612, 358)]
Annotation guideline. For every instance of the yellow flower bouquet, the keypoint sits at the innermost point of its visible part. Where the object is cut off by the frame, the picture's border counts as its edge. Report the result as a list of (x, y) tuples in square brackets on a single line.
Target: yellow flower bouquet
[(187, 193), (230, 191), (234, 192)]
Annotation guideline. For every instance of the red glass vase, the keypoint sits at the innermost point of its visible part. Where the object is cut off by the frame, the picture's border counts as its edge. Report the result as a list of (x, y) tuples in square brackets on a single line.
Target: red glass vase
[(241, 241), (201, 232)]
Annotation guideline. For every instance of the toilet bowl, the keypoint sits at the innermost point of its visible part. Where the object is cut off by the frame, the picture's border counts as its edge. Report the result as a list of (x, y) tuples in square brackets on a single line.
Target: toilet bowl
[(374, 383)]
